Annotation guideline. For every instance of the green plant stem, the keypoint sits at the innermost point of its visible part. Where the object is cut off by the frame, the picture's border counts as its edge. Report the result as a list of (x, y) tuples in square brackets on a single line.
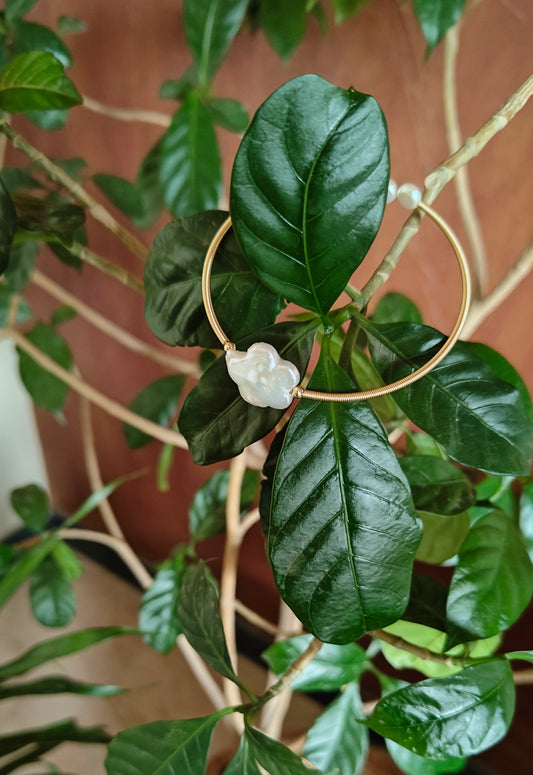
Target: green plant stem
[(465, 201), (442, 174), (112, 330), (107, 267), (166, 435), (58, 175), (419, 651)]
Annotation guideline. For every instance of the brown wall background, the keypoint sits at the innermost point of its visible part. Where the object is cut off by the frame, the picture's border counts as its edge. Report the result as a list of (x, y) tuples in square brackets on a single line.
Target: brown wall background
[(130, 47)]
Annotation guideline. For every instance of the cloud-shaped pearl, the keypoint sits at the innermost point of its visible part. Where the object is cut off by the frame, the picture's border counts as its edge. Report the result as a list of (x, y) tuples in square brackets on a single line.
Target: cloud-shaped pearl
[(263, 378)]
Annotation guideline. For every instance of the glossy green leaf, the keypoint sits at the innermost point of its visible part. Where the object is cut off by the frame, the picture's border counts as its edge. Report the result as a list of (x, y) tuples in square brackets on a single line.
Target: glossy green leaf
[(455, 716), (229, 114), (284, 24), (45, 389), (57, 684), (62, 315), (429, 638), (36, 37), (274, 757), (16, 179), (24, 313), (332, 668), (492, 428), (158, 615), (67, 256), (340, 505), (162, 747), (157, 402), (308, 188), (51, 214), (210, 26), (67, 559), (396, 308), (418, 443), (413, 764), (337, 741), (504, 370), (36, 81), (31, 504), (21, 265), (207, 515), (50, 120), (61, 646), (126, 196), (174, 307), (217, 423), (437, 485), (427, 602), (67, 25), (179, 88), (15, 9), (8, 226), (526, 656), (200, 619), (436, 17), (189, 172), (150, 186), (73, 166), (442, 537), (345, 9), (526, 517), (51, 595), (243, 763), (493, 581), (56, 733)]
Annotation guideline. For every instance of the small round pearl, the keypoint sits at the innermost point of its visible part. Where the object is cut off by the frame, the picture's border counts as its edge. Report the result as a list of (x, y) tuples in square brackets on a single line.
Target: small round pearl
[(391, 193), (409, 196)]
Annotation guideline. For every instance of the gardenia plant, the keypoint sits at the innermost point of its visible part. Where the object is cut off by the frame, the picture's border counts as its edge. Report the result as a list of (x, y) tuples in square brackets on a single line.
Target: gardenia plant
[(351, 494)]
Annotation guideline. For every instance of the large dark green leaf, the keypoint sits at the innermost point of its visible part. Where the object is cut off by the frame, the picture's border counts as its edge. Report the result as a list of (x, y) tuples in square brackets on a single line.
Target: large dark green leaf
[(343, 530), (56, 733), (36, 81), (493, 581), (174, 307), (437, 485), (158, 615), (336, 740), (45, 389), (210, 26), (481, 421), (157, 402), (62, 646), (308, 188), (189, 171), (162, 748), (31, 504), (51, 595), (436, 17), (413, 764), (427, 602), (200, 619), (456, 716), (217, 423), (332, 668), (396, 308), (35, 37), (243, 763), (8, 226), (284, 24), (207, 515), (274, 757), (57, 684)]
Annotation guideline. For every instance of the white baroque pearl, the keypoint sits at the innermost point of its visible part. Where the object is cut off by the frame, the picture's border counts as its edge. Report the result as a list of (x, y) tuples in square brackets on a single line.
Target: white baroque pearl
[(409, 196), (263, 378)]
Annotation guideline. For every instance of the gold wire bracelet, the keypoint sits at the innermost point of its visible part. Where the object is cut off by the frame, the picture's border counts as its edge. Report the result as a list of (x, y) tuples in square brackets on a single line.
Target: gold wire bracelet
[(265, 379)]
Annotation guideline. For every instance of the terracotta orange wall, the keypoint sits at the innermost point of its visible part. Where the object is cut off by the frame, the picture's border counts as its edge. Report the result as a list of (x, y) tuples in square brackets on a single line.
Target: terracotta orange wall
[(131, 46)]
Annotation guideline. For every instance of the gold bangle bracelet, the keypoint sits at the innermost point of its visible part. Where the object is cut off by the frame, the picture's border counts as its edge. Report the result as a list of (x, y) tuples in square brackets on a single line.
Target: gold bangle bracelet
[(297, 391)]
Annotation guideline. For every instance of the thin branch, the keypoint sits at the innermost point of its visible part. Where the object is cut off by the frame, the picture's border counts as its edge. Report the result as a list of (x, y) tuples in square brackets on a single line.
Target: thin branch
[(230, 559), (112, 330), (292, 672), (55, 173), (249, 521), (441, 175), (419, 651), (465, 201), (107, 267), (93, 470), (523, 677), (127, 114), (107, 404), (255, 619), (482, 308)]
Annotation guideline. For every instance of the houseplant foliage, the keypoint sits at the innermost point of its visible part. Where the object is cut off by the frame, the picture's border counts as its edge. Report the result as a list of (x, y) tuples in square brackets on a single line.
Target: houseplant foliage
[(351, 494)]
